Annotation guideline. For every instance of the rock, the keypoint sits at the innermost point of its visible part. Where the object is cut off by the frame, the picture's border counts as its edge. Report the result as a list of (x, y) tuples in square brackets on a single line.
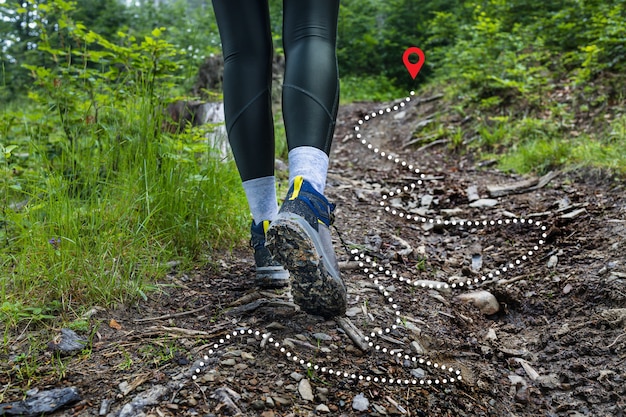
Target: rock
[(380, 409), (105, 405), (41, 402), (553, 261), (229, 362), (351, 312), (322, 409), (67, 342), (399, 115), (258, 405), (550, 381), (269, 402), (281, 401), (426, 200), (418, 373), (146, 398), (484, 203), (484, 300), (567, 289), (360, 403), (477, 262), (296, 376), (491, 335), (322, 393), (413, 328), (417, 347), (472, 193), (304, 388), (322, 336)]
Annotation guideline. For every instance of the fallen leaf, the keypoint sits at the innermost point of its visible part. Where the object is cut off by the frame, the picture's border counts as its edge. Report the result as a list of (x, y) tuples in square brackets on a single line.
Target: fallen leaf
[(115, 325)]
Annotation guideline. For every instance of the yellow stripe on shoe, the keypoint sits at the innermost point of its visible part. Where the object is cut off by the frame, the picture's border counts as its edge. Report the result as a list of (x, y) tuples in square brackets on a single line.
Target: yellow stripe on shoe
[(266, 225), (297, 184)]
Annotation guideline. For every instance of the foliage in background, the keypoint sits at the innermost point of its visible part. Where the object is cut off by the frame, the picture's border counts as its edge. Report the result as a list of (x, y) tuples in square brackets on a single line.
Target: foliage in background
[(95, 199), (555, 73)]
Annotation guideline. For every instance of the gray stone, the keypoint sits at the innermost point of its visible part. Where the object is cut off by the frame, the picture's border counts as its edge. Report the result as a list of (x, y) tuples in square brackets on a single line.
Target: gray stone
[(145, 399), (417, 347), (41, 402), (67, 342), (322, 336), (418, 373), (296, 376), (360, 403), (322, 408), (484, 300), (484, 203), (305, 390)]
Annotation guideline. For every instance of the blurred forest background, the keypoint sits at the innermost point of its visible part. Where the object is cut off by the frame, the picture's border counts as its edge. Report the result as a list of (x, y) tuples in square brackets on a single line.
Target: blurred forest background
[(97, 201)]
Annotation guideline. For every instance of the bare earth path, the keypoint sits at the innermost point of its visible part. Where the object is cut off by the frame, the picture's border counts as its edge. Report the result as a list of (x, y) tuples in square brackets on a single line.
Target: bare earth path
[(553, 254)]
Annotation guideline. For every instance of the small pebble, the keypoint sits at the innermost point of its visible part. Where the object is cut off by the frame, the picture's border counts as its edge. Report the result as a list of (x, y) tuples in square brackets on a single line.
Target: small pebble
[(353, 311), (322, 336), (322, 408), (484, 203), (360, 403), (417, 348), (304, 388), (484, 300)]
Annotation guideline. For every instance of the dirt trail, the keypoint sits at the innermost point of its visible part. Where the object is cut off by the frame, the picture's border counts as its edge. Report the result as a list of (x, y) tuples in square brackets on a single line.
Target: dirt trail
[(553, 257)]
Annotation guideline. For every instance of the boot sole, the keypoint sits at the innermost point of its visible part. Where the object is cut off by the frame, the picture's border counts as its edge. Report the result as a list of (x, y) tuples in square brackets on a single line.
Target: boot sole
[(293, 242)]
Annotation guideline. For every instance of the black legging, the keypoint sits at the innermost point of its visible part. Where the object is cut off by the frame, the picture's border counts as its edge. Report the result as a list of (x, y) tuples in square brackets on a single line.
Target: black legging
[(310, 88)]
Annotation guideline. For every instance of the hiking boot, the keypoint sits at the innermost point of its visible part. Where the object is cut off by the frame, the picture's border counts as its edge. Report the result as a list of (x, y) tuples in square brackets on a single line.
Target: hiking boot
[(269, 273), (299, 238)]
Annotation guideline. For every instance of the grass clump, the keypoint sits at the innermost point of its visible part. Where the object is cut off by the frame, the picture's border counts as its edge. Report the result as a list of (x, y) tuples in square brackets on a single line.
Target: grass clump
[(95, 198)]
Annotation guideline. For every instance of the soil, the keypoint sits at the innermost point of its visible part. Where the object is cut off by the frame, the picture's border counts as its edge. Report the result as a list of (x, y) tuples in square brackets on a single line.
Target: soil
[(553, 255)]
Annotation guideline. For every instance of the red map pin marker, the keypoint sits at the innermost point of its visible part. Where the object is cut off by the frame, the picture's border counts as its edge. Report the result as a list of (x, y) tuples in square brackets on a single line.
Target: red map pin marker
[(413, 69)]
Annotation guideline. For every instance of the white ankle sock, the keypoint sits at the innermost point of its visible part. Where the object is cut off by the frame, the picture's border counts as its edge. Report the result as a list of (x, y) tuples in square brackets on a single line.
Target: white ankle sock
[(261, 194), (311, 163)]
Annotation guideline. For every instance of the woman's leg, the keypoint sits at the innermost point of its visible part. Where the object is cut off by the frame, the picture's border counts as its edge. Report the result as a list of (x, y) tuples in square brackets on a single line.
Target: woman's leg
[(300, 236), (311, 86), (244, 27)]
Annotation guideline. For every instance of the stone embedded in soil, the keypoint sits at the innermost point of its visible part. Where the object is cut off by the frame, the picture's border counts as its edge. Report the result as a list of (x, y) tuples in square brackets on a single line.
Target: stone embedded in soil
[(360, 403), (322, 336), (417, 348), (305, 390), (281, 401), (322, 393), (351, 312), (484, 300), (484, 203), (472, 193), (67, 342), (553, 261), (41, 402), (322, 408), (296, 376), (145, 399)]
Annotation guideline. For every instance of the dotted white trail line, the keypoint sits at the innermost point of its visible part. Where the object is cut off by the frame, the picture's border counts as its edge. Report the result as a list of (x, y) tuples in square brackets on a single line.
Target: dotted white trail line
[(438, 374), (447, 375)]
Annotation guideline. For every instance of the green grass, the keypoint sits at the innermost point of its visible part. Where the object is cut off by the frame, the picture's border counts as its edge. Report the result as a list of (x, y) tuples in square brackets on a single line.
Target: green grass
[(96, 221)]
